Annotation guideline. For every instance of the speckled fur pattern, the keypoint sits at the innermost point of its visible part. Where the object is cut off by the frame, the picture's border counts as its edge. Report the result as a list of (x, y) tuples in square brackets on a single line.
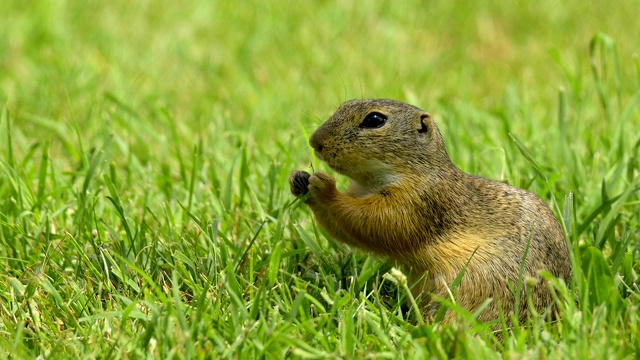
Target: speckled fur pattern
[(409, 202)]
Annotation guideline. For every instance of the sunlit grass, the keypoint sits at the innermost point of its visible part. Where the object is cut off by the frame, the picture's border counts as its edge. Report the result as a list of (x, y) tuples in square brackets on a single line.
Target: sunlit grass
[(145, 150)]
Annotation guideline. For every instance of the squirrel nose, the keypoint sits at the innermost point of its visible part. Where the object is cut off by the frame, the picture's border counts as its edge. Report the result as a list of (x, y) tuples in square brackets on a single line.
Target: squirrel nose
[(315, 144)]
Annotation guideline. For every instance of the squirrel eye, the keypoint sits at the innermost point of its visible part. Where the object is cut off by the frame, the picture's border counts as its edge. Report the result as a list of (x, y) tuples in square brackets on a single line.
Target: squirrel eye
[(373, 120)]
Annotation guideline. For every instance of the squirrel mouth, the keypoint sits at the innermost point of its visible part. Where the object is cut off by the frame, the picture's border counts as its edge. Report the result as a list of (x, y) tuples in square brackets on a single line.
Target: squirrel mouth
[(337, 168), (333, 167)]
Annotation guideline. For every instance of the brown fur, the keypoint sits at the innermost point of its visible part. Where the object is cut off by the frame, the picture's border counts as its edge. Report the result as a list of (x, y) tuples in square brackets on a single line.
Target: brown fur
[(409, 202)]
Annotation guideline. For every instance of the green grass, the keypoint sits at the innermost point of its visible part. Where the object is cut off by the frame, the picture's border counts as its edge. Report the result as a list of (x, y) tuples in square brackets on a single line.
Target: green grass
[(145, 149)]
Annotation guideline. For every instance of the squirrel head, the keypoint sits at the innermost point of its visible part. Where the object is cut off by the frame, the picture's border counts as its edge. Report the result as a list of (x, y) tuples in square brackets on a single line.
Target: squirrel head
[(379, 142)]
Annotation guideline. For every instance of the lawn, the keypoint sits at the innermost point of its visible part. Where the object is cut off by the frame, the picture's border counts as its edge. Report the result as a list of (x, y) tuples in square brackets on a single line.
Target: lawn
[(145, 149)]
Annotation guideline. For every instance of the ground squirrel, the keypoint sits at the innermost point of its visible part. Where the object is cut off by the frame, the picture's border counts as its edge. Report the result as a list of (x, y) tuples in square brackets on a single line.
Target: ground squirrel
[(409, 202)]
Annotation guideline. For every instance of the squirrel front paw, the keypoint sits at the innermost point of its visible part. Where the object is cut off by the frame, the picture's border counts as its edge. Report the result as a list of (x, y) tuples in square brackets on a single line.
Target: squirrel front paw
[(299, 182), (322, 186)]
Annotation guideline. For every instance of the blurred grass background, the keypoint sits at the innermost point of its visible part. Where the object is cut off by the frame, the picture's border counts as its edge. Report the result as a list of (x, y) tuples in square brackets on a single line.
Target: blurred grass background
[(164, 132), (265, 67)]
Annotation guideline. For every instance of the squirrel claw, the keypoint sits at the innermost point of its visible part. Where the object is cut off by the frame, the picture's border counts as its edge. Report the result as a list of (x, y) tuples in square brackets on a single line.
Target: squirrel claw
[(299, 182)]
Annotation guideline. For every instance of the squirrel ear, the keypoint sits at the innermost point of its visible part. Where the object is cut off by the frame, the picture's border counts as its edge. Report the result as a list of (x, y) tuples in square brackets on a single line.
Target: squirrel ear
[(424, 119)]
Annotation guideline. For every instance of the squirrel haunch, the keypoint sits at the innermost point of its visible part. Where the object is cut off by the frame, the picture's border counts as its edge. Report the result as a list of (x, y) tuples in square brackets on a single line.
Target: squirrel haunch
[(409, 202)]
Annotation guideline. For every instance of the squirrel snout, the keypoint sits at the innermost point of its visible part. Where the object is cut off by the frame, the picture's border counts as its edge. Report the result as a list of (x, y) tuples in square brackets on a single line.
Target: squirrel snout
[(316, 144)]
